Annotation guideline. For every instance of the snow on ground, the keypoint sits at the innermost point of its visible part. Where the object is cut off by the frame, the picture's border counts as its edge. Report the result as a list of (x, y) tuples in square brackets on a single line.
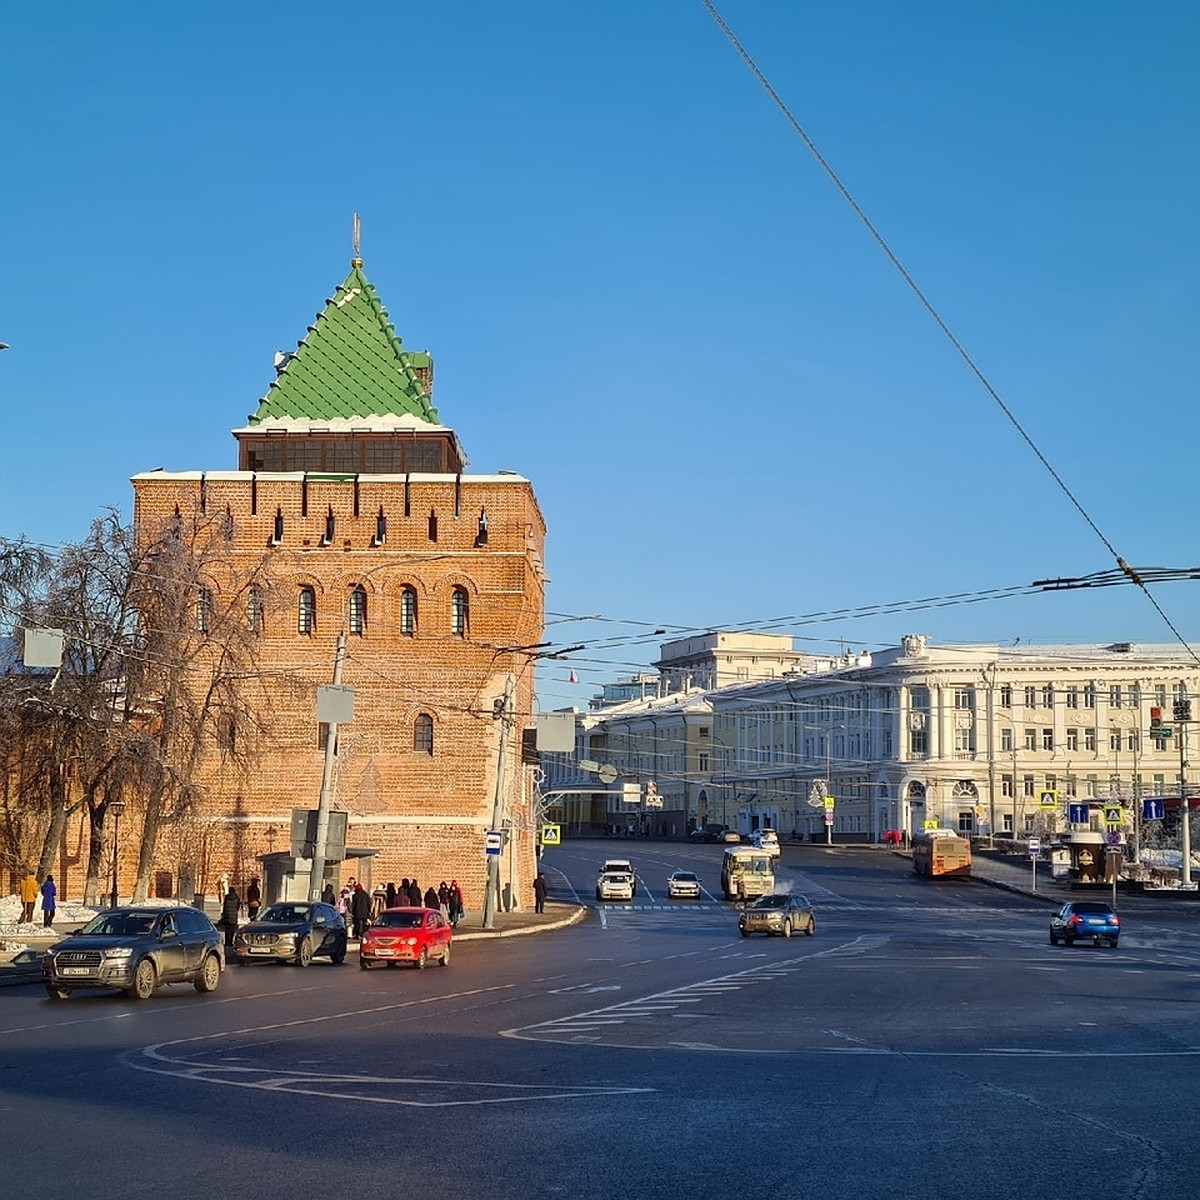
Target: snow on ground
[(68, 912)]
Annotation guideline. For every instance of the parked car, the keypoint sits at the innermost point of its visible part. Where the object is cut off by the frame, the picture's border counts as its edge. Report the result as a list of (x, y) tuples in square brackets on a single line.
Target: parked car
[(292, 932), (1090, 919), (778, 913), (683, 884), (137, 949), (614, 885), (709, 833), (412, 935), (766, 840), (732, 836)]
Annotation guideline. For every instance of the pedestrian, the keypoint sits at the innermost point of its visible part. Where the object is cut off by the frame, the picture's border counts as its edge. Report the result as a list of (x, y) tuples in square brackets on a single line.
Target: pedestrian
[(29, 895), (49, 895), (222, 886), (539, 893), (390, 893), (329, 896), (414, 893), (431, 897), (231, 905), (378, 901), (360, 910), (444, 898), (253, 899), (456, 902)]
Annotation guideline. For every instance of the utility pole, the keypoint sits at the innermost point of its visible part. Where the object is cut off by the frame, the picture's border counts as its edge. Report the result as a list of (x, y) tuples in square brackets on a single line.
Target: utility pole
[(1183, 718), (317, 879), (504, 712)]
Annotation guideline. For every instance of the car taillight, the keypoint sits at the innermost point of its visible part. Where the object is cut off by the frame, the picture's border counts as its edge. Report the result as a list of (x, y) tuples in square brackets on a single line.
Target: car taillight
[(1076, 919), (1115, 919)]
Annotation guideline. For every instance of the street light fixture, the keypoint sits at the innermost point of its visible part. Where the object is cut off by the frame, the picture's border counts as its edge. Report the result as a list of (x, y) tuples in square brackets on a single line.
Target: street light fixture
[(116, 807)]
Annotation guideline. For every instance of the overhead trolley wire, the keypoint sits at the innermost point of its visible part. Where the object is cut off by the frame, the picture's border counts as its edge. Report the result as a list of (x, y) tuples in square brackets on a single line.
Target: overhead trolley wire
[(927, 304)]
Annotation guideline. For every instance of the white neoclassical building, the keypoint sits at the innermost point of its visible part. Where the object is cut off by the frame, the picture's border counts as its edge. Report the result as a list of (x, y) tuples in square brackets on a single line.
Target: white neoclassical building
[(980, 738)]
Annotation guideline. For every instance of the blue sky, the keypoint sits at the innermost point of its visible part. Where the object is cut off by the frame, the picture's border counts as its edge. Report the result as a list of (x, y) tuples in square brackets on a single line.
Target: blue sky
[(639, 288)]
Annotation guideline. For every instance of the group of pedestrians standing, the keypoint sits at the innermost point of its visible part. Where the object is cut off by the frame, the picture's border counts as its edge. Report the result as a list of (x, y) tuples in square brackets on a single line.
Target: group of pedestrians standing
[(30, 891)]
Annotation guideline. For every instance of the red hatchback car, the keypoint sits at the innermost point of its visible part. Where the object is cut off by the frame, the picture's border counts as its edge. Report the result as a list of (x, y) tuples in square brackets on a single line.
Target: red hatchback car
[(412, 935)]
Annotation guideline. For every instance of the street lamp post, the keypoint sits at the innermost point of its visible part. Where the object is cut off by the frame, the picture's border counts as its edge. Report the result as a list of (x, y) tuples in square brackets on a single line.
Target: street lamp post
[(116, 807)]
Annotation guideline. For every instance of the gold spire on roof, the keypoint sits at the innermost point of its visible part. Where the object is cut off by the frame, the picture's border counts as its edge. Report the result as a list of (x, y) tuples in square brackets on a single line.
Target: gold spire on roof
[(356, 261)]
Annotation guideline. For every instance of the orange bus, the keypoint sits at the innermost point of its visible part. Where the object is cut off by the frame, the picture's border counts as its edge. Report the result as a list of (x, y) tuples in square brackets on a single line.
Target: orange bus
[(939, 853)]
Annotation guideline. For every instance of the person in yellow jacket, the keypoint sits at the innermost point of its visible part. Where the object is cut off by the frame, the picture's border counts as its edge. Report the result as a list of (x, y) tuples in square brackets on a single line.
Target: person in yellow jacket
[(29, 895)]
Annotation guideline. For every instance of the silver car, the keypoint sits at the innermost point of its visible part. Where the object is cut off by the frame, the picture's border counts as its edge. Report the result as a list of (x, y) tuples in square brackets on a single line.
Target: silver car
[(778, 913)]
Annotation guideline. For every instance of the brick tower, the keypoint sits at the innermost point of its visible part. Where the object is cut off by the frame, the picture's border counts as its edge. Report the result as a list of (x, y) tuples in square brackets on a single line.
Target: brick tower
[(351, 512)]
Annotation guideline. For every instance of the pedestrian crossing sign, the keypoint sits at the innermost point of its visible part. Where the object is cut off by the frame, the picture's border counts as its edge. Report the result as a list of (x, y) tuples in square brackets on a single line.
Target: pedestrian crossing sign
[(551, 835), (1048, 798)]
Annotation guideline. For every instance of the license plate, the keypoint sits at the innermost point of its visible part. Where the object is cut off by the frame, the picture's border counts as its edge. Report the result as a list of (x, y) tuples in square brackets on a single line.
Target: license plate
[(260, 950), (382, 952), (75, 970)]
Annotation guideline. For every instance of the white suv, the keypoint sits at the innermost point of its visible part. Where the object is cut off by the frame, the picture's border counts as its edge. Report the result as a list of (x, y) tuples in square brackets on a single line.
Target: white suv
[(768, 840), (614, 885)]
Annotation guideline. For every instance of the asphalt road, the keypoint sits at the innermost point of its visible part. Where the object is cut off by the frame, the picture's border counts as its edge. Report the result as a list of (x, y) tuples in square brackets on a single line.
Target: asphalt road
[(928, 1041)]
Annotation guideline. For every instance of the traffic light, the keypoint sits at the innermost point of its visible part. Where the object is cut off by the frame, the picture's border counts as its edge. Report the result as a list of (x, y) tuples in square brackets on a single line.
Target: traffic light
[(1155, 720), (1183, 710)]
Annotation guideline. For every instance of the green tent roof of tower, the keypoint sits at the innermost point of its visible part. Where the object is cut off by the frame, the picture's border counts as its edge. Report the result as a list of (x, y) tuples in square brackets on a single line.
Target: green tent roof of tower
[(351, 363)]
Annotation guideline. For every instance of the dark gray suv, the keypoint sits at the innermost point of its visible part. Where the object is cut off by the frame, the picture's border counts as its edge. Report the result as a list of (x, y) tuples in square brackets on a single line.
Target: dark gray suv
[(137, 949)]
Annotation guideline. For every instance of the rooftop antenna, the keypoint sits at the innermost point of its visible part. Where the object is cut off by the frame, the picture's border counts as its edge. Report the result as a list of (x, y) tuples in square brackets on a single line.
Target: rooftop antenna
[(356, 261)]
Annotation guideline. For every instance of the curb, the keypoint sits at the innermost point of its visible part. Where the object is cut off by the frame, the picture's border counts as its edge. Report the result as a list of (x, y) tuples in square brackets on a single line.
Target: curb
[(573, 918)]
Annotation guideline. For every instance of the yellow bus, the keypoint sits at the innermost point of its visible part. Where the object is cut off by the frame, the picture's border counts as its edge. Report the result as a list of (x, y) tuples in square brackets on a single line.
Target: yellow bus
[(747, 873), (940, 853)]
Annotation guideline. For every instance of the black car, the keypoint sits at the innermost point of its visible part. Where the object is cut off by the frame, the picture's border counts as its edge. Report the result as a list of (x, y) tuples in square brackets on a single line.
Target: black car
[(137, 949), (707, 833), (292, 931)]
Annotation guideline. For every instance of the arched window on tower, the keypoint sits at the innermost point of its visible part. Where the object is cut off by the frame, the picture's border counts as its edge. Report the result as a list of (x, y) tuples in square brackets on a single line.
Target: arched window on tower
[(408, 611), (204, 608), (423, 734), (460, 612), (306, 612), (254, 610), (358, 610)]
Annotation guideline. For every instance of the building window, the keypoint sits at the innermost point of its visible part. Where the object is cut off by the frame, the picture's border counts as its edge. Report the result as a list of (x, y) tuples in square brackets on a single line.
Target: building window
[(918, 743), (423, 734), (1134, 741), (966, 820), (702, 762), (1006, 695), (1114, 739), (408, 611), (226, 732), (459, 612), (1072, 738), (1089, 739), (1047, 739), (1030, 739), (306, 612), (1135, 695), (254, 610), (204, 607), (1006, 786), (1160, 695), (1027, 785), (706, 732), (1089, 695), (1114, 696), (1007, 822), (1072, 697), (964, 740), (1006, 738), (1157, 741), (358, 610), (1047, 695), (1092, 786), (1030, 696), (964, 697)]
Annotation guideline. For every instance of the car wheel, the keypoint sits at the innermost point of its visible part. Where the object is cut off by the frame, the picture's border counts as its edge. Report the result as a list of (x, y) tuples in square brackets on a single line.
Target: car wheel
[(362, 962), (1053, 939), (811, 927), (423, 959), (1096, 942), (787, 929), (1112, 942), (339, 955), (744, 932), (304, 953), (144, 980), (210, 975), (1068, 941), (56, 993), (446, 954)]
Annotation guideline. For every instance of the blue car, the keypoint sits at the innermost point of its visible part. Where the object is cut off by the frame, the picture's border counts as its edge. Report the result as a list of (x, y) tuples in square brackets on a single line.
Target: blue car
[(1092, 920)]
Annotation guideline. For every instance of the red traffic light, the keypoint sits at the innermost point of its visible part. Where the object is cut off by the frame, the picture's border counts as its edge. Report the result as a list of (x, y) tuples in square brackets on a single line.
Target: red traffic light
[(1155, 718)]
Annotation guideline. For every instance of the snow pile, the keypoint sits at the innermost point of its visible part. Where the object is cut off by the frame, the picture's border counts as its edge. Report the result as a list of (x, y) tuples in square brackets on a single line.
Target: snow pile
[(68, 912)]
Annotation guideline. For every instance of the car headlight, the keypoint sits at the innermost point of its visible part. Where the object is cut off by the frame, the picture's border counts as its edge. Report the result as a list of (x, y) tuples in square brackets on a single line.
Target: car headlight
[(118, 952)]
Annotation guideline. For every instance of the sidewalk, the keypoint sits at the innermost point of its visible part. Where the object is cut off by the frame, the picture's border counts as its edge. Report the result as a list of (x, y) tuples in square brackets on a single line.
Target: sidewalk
[(558, 915)]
